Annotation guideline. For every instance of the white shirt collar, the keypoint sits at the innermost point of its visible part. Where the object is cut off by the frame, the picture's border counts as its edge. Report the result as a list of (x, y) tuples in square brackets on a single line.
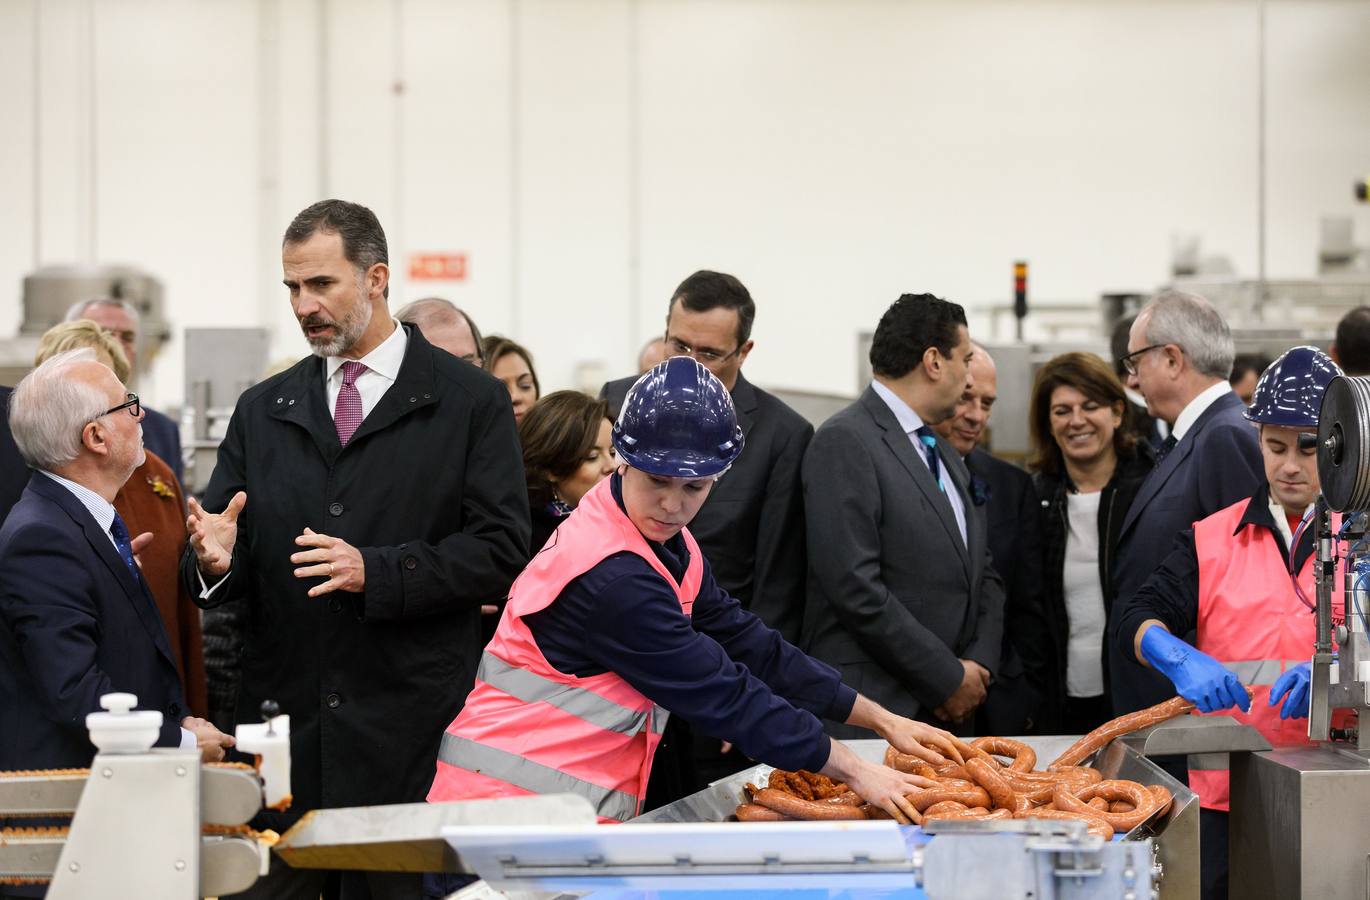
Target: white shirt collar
[(385, 360), (909, 420), (1190, 414), (100, 509)]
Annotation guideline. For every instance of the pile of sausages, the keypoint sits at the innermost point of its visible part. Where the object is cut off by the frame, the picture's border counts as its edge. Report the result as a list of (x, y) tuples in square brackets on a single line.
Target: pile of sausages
[(989, 778)]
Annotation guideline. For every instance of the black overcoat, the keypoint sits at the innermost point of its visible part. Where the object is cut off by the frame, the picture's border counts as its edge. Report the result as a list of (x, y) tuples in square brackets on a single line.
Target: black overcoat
[(431, 490)]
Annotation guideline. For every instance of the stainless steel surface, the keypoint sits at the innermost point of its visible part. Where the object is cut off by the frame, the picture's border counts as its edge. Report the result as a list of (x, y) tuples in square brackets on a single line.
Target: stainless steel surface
[(136, 832), (1196, 734), (1042, 867), (41, 793), (408, 837), (228, 865), (1300, 825), (1176, 835), (229, 796), (30, 853)]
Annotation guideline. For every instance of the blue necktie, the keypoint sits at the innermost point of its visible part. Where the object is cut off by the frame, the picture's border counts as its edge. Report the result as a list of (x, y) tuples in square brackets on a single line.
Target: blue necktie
[(929, 440), (119, 532)]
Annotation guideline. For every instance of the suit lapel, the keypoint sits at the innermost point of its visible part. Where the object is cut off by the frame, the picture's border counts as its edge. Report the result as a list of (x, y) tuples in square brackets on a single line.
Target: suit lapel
[(1161, 474), (902, 447), (135, 589), (744, 403)]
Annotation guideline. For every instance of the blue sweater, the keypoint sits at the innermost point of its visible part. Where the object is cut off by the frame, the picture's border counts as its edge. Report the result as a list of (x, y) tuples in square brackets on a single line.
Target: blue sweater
[(722, 669)]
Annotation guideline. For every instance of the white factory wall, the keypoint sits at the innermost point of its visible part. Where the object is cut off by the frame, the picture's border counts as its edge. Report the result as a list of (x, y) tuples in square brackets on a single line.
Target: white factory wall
[(587, 154)]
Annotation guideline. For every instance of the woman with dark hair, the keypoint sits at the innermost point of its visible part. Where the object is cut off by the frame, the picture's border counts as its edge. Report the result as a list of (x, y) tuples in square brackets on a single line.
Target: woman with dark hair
[(513, 365), (1088, 467), (567, 449)]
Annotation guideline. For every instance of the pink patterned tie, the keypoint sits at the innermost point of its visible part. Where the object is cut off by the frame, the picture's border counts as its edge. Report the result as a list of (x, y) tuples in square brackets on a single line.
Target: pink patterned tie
[(347, 413)]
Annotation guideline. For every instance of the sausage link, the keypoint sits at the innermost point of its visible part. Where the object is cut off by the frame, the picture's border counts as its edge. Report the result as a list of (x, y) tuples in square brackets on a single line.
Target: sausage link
[(1101, 805), (975, 796), (1117, 806), (751, 812), (1091, 743), (1000, 793), (1143, 801), (1024, 757), (943, 807), (796, 808), (1096, 825)]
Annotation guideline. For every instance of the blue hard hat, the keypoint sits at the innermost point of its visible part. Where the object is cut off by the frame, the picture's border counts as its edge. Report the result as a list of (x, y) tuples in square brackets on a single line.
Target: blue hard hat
[(678, 422), (1290, 392)]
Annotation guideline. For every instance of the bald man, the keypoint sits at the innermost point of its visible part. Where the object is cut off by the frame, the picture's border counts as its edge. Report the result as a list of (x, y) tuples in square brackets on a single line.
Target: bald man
[(445, 326), (1003, 492)]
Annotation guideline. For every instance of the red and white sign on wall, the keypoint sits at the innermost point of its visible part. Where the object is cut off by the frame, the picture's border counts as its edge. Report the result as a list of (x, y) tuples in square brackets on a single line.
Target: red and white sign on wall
[(437, 267)]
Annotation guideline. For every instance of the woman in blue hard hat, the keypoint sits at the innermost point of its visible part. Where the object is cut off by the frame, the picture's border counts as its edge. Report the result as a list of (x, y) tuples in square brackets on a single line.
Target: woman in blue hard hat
[(1228, 579), (618, 623)]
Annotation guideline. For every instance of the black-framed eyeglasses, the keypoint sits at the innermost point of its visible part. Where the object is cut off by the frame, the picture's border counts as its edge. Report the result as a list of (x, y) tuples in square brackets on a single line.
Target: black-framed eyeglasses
[(680, 348), (132, 404), (1130, 361)]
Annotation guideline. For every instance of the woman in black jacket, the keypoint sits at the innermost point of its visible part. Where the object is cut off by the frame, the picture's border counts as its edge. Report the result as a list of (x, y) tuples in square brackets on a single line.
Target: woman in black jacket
[(566, 451), (1088, 468)]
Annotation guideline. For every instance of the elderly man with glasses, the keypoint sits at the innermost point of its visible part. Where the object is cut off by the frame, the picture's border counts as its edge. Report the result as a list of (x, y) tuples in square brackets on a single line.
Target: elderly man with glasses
[(77, 619), (751, 528), (1179, 355)]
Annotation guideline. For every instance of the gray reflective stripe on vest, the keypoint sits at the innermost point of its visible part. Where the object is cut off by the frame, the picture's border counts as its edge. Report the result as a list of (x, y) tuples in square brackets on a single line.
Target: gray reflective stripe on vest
[(532, 776), (1259, 672), (586, 705)]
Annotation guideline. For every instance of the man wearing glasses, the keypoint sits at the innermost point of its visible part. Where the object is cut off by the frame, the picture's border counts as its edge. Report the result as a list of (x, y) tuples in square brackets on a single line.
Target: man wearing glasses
[(751, 529), (77, 620), (1179, 357), (120, 320)]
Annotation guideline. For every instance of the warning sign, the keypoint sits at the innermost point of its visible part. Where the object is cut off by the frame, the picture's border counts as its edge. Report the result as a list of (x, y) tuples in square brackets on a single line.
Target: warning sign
[(437, 267)]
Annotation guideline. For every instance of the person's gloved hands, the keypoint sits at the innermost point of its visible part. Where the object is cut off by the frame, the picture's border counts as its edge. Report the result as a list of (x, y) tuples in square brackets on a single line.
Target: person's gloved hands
[(1197, 676), (1293, 682)]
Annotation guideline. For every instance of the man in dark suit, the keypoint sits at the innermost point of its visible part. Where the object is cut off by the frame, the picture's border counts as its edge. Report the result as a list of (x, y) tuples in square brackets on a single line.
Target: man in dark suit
[(1179, 356), (14, 472), (1013, 514), (1147, 427), (751, 529), (76, 618), (902, 598), (367, 500), (120, 318)]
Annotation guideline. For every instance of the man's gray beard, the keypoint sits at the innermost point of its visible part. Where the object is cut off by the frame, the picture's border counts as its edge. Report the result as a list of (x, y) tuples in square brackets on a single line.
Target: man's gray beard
[(349, 331)]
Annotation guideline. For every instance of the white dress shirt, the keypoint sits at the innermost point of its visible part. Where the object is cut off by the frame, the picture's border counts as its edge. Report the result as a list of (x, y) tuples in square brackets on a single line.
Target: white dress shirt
[(1190, 414), (382, 368), (104, 512), (910, 421)]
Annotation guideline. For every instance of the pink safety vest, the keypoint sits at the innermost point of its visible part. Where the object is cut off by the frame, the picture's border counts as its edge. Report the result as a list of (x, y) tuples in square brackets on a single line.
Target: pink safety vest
[(527, 728), (1251, 621)]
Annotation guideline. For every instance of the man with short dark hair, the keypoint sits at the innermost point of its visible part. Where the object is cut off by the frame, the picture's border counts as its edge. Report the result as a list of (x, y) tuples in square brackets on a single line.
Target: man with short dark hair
[(120, 320), (1014, 519), (445, 326), (1351, 348), (752, 526), (363, 583), (902, 598)]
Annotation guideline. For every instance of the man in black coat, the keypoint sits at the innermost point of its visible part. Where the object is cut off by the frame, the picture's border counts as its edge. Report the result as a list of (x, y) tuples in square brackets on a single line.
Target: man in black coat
[(1179, 356), (1005, 495), (751, 529), (368, 503)]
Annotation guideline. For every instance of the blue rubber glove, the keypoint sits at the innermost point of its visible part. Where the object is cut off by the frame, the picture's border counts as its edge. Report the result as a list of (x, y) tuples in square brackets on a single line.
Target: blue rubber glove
[(1294, 682), (1197, 676)]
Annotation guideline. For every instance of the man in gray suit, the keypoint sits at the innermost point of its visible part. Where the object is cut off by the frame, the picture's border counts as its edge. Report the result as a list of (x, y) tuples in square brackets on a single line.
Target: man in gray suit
[(901, 595)]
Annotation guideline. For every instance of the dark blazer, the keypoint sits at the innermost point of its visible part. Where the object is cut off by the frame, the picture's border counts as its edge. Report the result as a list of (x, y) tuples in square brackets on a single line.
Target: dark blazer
[(895, 599), (1014, 522), (162, 436), (14, 472), (751, 529), (1216, 464), (430, 489), (74, 624), (1114, 503)]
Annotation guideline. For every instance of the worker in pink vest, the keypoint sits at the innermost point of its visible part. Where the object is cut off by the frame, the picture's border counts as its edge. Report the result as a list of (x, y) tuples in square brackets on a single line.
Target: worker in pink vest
[(1228, 578), (618, 623)]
